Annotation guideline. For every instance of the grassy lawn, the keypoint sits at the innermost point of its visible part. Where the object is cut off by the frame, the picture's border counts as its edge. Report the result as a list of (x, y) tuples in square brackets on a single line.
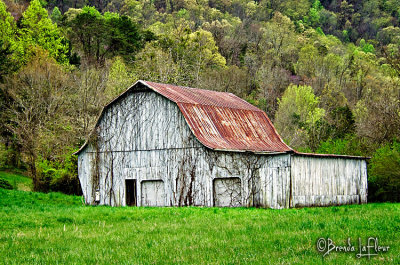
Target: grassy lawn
[(55, 228), (17, 180)]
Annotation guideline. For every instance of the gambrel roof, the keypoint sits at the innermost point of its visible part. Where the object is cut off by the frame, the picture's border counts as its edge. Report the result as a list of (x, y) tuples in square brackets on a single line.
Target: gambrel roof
[(219, 120), (223, 121)]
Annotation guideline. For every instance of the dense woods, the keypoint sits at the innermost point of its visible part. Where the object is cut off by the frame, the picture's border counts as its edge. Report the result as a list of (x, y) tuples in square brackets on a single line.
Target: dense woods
[(326, 72)]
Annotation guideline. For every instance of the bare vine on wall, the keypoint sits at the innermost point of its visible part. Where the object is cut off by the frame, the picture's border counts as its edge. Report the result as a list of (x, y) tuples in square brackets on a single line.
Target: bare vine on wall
[(145, 137), (244, 167)]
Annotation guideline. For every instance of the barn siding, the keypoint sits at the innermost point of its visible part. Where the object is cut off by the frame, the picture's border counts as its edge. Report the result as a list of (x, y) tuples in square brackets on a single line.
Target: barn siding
[(144, 136), (324, 181)]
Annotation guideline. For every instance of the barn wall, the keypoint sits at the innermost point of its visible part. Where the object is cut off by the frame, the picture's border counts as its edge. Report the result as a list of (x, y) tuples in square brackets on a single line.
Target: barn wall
[(84, 174), (264, 178), (141, 136), (145, 137), (323, 181)]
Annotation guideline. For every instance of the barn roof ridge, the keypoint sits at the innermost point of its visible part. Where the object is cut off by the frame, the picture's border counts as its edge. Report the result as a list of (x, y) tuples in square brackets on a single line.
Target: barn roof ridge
[(189, 95)]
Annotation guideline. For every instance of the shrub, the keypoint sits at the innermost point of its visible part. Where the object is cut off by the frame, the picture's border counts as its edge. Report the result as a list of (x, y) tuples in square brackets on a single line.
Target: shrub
[(350, 145), (59, 176), (4, 184), (384, 174)]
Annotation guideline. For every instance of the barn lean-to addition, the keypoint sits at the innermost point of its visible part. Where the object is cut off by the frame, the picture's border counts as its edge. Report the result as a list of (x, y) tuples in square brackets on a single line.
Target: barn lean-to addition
[(165, 145)]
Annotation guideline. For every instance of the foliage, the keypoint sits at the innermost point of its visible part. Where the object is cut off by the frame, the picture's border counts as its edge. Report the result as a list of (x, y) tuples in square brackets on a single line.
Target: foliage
[(349, 145), (298, 117), (384, 173), (59, 176), (7, 42), (119, 78), (36, 28), (103, 36), (37, 103), (56, 15)]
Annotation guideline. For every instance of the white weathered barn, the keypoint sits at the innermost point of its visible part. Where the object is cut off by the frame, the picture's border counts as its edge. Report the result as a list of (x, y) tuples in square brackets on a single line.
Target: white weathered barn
[(164, 145)]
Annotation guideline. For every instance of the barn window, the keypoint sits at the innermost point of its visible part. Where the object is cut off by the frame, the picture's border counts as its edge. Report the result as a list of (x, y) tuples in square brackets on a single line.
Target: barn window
[(153, 193), (131, 192), (227, 192)]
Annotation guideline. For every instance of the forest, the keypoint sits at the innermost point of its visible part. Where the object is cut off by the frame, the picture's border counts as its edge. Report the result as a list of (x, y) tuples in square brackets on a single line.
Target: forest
[(327, 73)]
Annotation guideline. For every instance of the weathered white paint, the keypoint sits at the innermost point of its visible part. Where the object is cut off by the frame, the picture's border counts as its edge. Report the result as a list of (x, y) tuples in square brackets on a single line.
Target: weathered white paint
[(227, 192), (153, 193), (144, 136), (324, 181)]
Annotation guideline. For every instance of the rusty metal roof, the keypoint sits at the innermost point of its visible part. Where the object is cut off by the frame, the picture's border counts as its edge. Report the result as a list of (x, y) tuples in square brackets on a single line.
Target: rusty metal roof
[(223, 121)]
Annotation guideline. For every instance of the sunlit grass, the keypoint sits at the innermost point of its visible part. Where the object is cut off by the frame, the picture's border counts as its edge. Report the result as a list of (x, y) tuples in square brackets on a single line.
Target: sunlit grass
[(51, 228), (17, 179)]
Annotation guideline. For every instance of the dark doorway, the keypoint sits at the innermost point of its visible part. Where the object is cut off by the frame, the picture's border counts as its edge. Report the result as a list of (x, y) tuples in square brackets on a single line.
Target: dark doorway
[(130, 185)]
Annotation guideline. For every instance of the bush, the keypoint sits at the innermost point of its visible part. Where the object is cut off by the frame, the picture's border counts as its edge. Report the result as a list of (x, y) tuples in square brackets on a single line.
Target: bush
[(59, 176), (4, 184), (350, 145), (384, 174)]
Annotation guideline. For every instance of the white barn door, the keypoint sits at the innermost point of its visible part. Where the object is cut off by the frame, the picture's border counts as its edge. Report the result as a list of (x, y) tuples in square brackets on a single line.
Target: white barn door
[(153, 193)]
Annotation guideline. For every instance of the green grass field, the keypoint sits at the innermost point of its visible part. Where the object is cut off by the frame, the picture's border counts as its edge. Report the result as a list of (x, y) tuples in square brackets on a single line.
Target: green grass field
[(57, 229), (17, 180)]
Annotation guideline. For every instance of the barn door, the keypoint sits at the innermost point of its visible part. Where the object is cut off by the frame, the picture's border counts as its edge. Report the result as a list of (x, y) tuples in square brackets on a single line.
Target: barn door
[(153, 193), (227, 192), (130, 191)]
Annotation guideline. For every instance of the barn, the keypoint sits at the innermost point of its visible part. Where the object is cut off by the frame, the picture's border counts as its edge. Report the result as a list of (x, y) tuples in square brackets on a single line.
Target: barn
[(165, 145)]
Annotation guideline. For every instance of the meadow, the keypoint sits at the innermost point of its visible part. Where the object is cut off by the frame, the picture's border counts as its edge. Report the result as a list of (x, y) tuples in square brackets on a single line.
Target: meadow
[(55, 228)]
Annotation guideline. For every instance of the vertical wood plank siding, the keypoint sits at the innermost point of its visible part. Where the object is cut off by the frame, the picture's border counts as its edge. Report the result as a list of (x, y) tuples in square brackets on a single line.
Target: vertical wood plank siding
[(324, 181), (144, 136)]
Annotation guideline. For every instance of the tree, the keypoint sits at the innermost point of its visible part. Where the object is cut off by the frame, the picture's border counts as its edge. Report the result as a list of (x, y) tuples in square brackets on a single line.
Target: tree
[(202, 53), (157, 64), (119, 78), (99, 36), (298, 117), (37, 29), (56, 15), (7, 42), (384, 171), (39, 97)]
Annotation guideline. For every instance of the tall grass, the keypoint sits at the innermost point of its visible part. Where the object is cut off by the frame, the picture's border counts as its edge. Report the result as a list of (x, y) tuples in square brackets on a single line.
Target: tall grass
[(55, 228)]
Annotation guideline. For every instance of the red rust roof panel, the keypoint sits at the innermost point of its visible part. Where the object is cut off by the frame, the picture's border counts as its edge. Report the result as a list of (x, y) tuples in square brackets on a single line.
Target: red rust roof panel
[(223, 121)]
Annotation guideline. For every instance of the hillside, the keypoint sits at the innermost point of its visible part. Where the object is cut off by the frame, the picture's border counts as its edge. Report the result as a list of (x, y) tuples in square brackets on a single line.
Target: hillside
[(56, 228)]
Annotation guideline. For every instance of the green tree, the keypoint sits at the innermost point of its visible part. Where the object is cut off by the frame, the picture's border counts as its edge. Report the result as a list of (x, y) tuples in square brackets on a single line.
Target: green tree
[(7, 42), (298, 117), (384, 174), (100, 37), (314, 15), (119, 78), (56, 15), (37, 29)]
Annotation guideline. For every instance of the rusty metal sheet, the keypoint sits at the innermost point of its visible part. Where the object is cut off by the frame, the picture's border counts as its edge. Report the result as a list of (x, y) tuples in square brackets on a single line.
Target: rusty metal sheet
[(223, 121)]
